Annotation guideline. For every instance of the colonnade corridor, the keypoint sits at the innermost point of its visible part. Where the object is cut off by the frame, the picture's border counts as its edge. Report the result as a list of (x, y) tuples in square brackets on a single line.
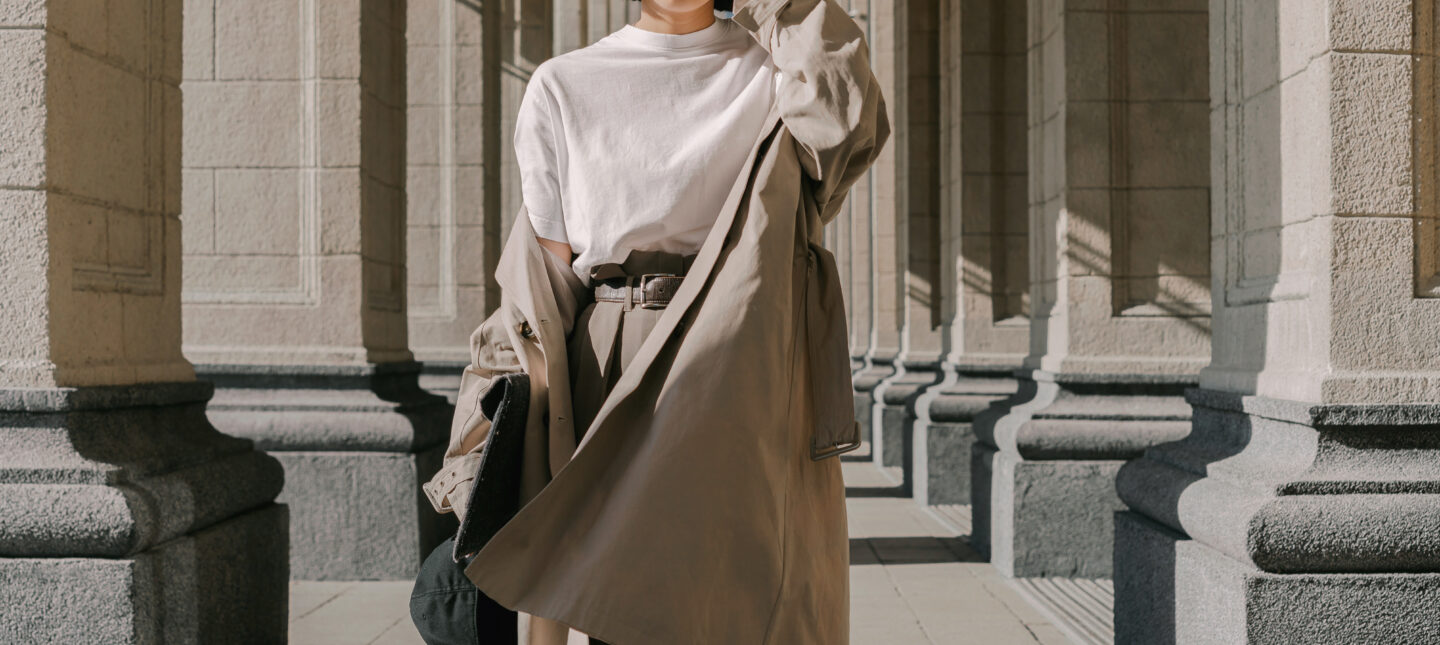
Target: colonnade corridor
[(1142, 301)]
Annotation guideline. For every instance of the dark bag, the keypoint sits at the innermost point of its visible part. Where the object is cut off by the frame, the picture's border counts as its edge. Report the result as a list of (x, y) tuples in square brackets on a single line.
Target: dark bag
[(446, 607), (495, 496)]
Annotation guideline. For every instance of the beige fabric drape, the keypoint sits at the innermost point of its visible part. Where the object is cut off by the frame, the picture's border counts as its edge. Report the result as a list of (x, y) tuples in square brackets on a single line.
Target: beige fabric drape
[(691, 510)]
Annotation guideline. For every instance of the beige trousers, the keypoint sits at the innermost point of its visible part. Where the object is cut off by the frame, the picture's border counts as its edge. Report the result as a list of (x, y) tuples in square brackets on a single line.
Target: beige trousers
[(608, 334), (605, 337)]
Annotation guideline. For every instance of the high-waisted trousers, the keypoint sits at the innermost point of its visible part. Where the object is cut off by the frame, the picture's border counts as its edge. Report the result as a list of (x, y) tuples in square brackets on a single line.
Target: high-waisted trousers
[(604, 339), (607, 334)]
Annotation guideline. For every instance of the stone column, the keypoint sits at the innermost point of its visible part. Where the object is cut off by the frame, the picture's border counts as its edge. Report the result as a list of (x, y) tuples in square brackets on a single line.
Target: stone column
[(984, 218), (864, 270), (294, 211), (125, 517), (1304, 506), (839, 238), (468, 66), (1119, 277), (526, 38), (859, 271), (570, 24), (452, 183), (907, 193)]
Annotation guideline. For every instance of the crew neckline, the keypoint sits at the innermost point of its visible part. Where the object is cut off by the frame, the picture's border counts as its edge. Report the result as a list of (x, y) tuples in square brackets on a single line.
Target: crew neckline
[(698, 38)]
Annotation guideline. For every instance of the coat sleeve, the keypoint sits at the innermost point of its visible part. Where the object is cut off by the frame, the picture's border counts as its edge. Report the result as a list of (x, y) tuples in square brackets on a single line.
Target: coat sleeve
[(828, 95), (492, 353)]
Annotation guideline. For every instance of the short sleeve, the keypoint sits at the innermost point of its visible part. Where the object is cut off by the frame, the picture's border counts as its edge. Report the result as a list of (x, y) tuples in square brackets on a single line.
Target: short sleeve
[(537, 151)]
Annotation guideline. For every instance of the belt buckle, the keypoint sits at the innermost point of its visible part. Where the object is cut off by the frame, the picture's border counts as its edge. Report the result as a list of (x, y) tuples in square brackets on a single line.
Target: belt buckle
[(645, 294)]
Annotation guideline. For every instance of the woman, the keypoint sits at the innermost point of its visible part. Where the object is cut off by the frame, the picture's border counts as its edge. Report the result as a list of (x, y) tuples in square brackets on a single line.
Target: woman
[(678, 480)]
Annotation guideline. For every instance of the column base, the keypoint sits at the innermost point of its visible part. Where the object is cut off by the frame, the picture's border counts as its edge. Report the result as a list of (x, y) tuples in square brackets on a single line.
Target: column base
[(1046, 518), (1279, 521), (1170, 589), (224, 584), (864, 381), (943, 432), (356, 443), (1044, 467), (893, 414), (130, 519), (941, 463)]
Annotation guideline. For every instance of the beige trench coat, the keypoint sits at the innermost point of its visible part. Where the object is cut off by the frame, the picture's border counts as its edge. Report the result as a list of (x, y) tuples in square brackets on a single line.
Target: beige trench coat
[(702, 505)]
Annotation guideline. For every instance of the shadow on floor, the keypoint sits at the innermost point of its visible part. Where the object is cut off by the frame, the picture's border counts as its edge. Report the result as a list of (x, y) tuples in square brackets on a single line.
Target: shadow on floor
[(876, 491), (911, 550)]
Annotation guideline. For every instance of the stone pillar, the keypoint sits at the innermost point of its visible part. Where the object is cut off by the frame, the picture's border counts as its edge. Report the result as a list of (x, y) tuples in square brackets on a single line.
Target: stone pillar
[(452, 186), (570, 23), (864, 224), (907, 195), (984, 218), (885, 292), (839, 237), (1303, 505), (127, 518), (858, 272), (294, 297), (1119, 278)]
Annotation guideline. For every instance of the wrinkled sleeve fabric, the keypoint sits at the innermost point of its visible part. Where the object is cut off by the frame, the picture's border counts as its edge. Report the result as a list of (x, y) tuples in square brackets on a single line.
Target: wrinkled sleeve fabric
[(538, 152), (492, 353), (827, 94)]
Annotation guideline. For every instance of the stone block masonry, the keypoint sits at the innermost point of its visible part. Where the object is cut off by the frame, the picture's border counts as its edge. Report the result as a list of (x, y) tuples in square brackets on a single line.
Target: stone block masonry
[(125, 517)]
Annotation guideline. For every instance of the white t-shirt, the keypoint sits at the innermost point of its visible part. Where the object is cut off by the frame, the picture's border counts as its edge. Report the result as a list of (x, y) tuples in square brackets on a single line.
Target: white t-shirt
[(633, 142)]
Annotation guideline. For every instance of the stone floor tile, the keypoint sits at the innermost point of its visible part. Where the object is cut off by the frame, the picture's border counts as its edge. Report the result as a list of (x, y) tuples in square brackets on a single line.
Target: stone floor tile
[(403, 632), (994, 633), (1050, 635), (1023, 609), (305, 597), (359, 616)]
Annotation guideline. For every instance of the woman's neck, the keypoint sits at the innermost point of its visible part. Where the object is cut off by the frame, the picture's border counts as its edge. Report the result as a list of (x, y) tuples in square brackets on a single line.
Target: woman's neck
[(660, 20)]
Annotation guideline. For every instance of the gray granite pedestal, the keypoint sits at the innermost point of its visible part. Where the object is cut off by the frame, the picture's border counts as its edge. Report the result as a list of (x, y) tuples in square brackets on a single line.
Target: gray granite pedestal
[(865, 380), (1044, 464), (892, 415), (943, 435), (356, 443), (127, 518), (1283, 522)]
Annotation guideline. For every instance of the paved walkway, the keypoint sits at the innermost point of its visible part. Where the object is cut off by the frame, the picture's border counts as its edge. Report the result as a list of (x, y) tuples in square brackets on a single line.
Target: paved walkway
[(913, 581)]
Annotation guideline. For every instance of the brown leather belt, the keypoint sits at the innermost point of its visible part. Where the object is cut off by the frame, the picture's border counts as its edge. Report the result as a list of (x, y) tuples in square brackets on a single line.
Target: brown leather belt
[(648, 290)]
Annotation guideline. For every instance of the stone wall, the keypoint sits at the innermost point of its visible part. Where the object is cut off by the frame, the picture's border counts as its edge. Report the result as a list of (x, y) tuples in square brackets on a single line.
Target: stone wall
[(295, 300), (452, 190), (294, 205), (90, 128)]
